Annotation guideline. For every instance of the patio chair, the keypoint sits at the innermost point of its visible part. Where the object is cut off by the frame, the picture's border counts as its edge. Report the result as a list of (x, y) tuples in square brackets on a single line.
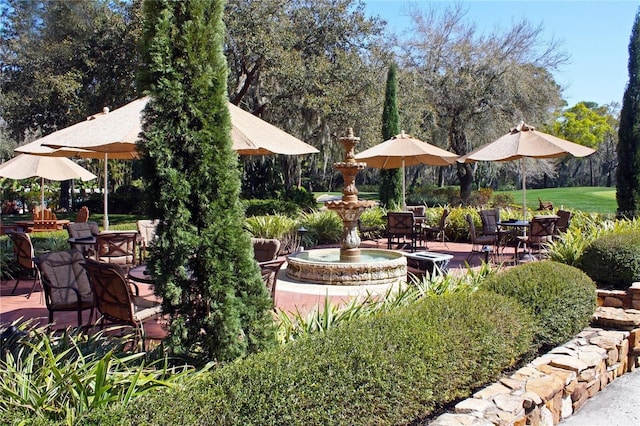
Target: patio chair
[(564, 218), (116, 302), (541, 231), (83, 214), (117, 247), (66, 284), (146, 233), (480, 243), (401, 225), (490, 219), (85, 230), (438, 232), (265, 251), (24, 256)]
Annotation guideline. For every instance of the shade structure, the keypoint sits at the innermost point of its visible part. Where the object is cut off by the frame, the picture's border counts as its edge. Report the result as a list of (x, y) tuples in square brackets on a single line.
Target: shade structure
[(524, 141), (113, 135), (402, 151), (252, 135), (25, 166)]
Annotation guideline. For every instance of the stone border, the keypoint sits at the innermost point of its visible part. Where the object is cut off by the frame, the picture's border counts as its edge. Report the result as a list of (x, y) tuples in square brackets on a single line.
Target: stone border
[(629, 299), (553, 386)]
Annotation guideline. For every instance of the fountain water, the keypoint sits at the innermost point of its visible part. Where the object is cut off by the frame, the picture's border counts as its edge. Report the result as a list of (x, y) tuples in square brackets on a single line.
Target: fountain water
[(349, 265)]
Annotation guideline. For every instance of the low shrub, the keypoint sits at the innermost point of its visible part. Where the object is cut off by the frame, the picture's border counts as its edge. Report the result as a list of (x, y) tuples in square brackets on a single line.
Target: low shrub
[(323, 227), (561, 298), (613, 260), (392, 368), (271, 206), (52, 378)]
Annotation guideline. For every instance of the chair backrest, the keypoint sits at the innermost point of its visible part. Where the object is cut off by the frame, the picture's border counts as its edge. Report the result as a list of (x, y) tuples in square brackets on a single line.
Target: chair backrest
[(490, 219), (472, 228), (40, 213), (83, 229), (542, 228), (265, 249), (400, 222), (62, 272), (83, 214), (563, 222), (147, 230), (117, 248), (417, 210), (111, 291), (443, 219), (23, 249)]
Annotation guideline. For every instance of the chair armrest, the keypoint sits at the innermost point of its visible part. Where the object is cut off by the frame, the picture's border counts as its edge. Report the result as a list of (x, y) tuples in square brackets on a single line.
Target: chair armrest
[(271, 265), (135, 287)]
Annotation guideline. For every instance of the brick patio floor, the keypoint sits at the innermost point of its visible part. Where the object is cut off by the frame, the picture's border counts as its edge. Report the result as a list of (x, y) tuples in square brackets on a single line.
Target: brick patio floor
[(290, 297)]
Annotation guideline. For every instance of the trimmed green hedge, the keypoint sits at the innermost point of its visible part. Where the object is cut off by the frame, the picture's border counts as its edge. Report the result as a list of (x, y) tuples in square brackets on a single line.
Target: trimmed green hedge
[(387, 369), (613, 260), (562, 298)]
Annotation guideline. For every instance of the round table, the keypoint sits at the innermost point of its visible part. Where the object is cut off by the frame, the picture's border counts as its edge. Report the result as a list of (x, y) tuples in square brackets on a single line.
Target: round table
[(140, 274)]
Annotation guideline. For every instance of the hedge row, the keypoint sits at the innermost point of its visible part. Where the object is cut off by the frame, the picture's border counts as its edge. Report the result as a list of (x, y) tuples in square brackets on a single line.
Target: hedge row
[(613, 260), (386, 369), (561, 298)]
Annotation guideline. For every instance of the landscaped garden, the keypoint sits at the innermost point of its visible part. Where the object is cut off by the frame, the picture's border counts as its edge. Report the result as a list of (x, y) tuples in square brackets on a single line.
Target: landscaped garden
[(388, 361)]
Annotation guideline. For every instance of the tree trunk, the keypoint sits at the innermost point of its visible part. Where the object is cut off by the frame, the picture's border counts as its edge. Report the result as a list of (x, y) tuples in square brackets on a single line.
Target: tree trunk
[(465, 176)]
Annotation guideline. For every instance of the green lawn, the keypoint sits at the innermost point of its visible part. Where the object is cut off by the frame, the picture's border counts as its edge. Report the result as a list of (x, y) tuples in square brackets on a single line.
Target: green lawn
[(588, 199)]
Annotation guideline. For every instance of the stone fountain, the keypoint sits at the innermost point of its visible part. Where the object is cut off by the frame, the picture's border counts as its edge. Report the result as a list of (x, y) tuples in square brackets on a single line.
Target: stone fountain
[(349, 265)]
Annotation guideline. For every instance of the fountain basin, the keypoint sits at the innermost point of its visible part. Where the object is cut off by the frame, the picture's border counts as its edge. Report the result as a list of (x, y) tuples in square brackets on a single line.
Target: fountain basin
[(323, 266)]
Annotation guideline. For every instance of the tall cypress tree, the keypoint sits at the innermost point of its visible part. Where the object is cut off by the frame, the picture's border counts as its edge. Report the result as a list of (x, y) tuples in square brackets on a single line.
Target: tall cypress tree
[(628, 173), (390, 189), (202, 260)]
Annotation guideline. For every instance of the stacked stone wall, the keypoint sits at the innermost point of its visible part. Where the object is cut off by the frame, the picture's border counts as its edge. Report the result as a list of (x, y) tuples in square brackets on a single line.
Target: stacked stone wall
[(553, 386)]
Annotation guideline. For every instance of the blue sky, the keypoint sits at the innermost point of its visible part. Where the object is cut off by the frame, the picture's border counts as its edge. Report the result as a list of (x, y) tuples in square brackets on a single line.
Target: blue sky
[(595, 34)]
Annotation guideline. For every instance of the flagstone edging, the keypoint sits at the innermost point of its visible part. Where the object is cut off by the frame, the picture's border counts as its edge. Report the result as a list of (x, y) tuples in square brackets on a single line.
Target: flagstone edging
[(553, 386)]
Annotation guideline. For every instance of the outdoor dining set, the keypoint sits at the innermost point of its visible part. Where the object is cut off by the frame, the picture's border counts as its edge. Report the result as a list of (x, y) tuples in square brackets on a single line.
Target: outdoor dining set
[(528, 238), (103, 271)]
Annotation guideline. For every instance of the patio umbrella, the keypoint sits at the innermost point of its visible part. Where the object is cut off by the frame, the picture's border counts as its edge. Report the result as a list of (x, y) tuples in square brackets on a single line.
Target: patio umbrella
[(403, 151), (524, 141), (25, 166), (113, 135)]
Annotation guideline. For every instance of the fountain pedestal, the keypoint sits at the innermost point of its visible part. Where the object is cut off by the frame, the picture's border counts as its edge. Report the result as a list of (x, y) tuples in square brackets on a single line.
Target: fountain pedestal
[(324, 266)]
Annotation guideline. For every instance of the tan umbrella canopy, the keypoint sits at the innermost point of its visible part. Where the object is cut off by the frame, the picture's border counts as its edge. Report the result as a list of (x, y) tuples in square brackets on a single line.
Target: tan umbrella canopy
[(25, 166), (403, 151), (117, 132), (524, 141), (252, 135), (113, 135)]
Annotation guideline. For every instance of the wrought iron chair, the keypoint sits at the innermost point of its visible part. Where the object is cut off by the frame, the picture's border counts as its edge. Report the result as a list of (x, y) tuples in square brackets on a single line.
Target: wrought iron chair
[(116, 302), (146, 233), (265, 251), (541, 231), (564, 219), (118, 247), (480, 243), (438, 232), (66, 284), (24, 256), (401, 225), (83, 230)]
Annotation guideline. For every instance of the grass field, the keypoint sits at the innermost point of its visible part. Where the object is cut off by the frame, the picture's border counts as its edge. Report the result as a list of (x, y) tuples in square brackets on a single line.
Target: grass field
[(588, 199)]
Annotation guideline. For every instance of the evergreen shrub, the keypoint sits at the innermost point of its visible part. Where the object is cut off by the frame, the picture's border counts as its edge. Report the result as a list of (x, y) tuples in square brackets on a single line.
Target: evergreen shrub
[(562, 298), (393, 368), (270, 207), (613, 260)]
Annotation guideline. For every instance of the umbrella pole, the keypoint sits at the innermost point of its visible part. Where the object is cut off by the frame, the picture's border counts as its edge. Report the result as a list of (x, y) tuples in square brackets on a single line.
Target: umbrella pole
[(404, 199), (105, 219), (42, 194), (524, 190)]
